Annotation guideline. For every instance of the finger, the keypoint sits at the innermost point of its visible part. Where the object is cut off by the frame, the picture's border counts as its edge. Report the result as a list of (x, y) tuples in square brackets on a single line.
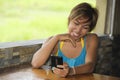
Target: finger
[(61, 66), (57, 71), (73, 42), (60, 72), (53, 68), (64, 66)]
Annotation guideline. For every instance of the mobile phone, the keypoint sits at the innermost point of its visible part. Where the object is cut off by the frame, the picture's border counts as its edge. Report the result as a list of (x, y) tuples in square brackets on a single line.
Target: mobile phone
[(56, 60)]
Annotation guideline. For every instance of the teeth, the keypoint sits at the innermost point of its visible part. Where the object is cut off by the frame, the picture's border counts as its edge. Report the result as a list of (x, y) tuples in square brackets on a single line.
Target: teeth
[(76, 34)]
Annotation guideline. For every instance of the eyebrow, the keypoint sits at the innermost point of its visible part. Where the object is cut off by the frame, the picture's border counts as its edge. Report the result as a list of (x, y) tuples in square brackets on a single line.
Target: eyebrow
[(84, 23)]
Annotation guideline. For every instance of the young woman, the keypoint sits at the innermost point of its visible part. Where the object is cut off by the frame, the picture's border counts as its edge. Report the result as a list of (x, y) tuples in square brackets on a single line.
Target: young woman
[(78, 46)]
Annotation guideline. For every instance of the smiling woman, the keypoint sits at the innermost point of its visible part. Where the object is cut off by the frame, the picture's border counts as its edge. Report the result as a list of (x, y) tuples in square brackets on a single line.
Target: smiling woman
[(77, 47), (23, 20)]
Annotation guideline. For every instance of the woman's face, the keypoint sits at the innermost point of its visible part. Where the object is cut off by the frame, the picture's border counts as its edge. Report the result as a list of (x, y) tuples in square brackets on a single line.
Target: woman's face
[(78, 28)]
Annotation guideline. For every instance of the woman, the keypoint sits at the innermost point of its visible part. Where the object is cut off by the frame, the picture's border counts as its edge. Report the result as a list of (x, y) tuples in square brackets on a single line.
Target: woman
[(78, 47)]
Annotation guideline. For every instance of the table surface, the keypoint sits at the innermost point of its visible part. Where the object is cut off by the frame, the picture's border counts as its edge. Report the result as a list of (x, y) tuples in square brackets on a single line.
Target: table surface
[(29, 73)]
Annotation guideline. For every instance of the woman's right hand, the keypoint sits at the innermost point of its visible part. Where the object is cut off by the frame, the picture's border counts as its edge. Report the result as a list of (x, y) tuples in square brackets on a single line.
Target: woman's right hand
[(66, 37), (61, 72)]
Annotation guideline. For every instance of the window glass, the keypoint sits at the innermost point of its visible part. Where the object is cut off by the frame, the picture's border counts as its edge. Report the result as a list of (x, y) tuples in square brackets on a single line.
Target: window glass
[(34, 19)]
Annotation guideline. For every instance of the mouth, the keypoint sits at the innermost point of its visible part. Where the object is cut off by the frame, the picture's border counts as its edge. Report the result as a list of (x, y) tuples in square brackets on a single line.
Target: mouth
[(75, 35)]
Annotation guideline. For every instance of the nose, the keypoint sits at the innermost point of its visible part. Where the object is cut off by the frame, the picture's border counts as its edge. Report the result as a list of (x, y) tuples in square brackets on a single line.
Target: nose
[(79, 29)]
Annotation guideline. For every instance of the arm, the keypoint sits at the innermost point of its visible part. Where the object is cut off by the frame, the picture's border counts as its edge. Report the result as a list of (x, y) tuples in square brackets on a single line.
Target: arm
[(91, 48), (40, 57)]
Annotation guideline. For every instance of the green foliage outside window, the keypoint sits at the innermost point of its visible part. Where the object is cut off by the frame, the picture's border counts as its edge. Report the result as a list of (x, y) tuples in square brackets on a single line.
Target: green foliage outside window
[(34, 19)]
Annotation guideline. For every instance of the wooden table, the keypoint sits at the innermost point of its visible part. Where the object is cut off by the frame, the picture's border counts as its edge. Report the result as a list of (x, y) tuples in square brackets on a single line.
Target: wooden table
[(39, 74)]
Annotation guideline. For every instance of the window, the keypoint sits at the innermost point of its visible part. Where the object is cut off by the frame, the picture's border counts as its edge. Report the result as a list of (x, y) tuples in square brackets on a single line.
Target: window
[(34, 19)]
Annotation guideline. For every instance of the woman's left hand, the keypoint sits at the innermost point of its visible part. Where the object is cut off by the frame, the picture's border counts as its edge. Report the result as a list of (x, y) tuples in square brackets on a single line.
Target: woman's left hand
[(61, 72)]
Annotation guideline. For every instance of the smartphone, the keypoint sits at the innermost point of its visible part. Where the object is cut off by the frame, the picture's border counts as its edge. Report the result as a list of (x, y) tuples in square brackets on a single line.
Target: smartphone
[(56, 60)]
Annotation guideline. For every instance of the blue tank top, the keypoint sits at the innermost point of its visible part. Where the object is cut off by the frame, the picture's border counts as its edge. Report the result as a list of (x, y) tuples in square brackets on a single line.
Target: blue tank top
[(72, 62)]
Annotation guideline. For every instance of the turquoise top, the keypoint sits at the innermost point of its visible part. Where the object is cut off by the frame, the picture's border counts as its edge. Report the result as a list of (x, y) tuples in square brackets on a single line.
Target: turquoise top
[(72, 62)]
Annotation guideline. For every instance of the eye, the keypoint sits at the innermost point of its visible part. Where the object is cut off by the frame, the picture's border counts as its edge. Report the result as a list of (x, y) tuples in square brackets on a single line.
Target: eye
[(86, 27), (76, 23)]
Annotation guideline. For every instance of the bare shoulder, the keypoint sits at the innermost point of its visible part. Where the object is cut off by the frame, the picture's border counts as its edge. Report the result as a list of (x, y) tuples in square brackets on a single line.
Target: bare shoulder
[(92, 38)]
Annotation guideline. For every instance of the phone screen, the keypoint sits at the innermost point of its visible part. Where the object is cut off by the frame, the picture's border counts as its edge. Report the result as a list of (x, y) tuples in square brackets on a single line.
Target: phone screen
[(56, 60)]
